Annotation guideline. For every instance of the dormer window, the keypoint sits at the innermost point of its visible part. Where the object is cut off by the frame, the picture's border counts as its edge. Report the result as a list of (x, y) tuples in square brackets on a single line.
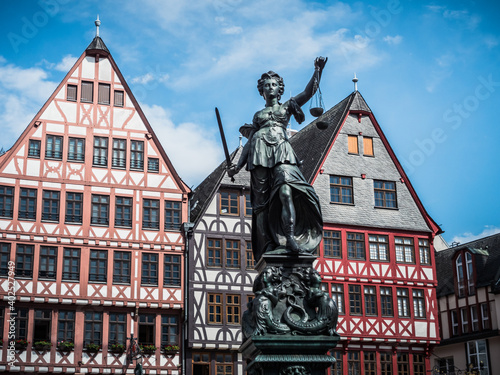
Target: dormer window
[(470, 274), (460, 276), (465, 274)]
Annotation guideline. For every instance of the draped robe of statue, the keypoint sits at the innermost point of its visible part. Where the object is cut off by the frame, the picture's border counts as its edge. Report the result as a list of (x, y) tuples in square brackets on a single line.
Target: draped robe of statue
[(273, 163)]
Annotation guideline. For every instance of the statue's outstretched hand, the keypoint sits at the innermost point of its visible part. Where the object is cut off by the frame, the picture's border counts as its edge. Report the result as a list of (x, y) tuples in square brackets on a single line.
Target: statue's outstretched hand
[(232, 170), (320, 62)]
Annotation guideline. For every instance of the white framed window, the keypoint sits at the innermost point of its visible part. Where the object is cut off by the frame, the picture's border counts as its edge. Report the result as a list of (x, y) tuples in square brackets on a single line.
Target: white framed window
[(485, 316), (454, 322), (465, 320), (477, 356), (474, 319)]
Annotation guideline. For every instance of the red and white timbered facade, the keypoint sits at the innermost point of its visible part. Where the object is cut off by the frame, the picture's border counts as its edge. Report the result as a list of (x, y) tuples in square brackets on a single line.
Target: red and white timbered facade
[(90, 221), (376, 258)]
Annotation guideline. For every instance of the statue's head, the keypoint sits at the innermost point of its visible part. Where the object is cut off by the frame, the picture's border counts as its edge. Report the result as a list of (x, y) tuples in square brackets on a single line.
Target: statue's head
[(274, 76)]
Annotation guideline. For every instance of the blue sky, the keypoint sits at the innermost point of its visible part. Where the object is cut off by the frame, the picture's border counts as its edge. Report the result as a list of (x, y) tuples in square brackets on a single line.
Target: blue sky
[(428, 70)]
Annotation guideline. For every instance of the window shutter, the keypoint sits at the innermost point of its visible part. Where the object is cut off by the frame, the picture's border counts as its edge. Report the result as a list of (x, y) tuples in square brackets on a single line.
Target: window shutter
[(118, 98), (103, 94), (367, 146), (71, 93), (87, 94), (352, 144)]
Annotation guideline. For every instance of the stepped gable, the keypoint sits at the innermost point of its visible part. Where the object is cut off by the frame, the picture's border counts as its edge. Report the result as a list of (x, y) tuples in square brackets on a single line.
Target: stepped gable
[(487, 259), (202, 195)]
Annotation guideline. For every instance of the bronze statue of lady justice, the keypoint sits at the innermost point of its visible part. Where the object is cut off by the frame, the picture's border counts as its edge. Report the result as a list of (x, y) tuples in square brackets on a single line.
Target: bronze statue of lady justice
[(286, 211)]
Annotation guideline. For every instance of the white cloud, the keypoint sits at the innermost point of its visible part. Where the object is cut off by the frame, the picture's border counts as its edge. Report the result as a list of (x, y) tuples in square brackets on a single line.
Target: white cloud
[(466, 237), (22, 93), (66, 63), (144, 79), (471, 21), (232, 30), (193, 150), (393, 40)]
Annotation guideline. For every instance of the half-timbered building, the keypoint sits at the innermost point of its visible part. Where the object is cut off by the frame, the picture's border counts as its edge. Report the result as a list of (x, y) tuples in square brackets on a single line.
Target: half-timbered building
[(220, 271), (469, 304), (90, 231), (376, 257)]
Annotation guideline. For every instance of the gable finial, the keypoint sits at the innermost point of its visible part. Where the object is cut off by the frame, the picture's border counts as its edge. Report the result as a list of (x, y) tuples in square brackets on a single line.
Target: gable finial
[(355, 80), (97, 24)]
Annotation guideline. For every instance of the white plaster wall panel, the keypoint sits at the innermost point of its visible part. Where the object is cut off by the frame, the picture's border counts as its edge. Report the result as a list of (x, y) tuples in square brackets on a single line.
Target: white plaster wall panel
[(154, 180), (169, 183), (73, 80), (152, 150), (151, 194), (124, 191), (77, 130), (339, 162), (119, 176), (99, 174), (428, 273), (150, 236), (32, 167), (4, 180), (54, 128), (211, 275), (120, 115), (173, 237), (231, 224), (123, 233), (51, 113), (63, 358), (51, 185), (97, 232), (97, 290), (104, 69), (135, 123), (136, 178), (101, 131), (61, 94), (99, 189), (20, 164), (74, 187), (28, 183), (75, 73), (421, 329), (38, 132), (73, 230), (172, 196), (20, 153), (118, 133), (49, 228), (69, 109), (432, 330), (88, 67)]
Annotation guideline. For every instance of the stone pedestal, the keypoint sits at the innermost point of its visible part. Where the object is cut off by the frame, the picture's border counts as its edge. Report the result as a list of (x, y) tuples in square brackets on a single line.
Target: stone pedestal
[(290, 326)]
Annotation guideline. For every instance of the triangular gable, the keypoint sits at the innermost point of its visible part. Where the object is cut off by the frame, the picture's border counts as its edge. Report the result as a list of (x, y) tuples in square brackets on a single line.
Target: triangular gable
[(314, 146), (59, 116)]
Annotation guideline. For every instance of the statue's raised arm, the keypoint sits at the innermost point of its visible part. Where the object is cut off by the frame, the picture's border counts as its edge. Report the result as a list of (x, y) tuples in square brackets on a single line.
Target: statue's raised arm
[(286, 214), (312, 86)]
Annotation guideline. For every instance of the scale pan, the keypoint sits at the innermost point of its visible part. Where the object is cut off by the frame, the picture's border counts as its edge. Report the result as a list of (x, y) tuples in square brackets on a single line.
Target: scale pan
[(316, 111), (322, 125)]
